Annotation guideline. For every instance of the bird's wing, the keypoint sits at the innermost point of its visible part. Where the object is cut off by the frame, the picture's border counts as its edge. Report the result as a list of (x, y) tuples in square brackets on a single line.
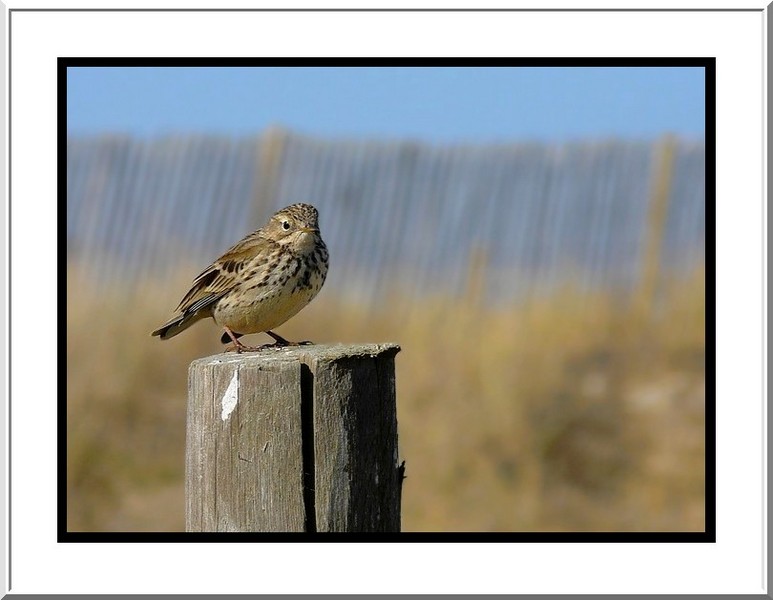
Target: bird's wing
[(220, 277)]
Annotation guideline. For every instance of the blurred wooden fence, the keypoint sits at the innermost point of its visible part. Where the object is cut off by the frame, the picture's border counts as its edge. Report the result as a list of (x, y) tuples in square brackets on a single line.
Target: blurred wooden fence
[(399, 215)]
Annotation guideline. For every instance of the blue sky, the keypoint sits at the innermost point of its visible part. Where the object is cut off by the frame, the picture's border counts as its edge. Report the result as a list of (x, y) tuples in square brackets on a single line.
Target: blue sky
[(438, 105)]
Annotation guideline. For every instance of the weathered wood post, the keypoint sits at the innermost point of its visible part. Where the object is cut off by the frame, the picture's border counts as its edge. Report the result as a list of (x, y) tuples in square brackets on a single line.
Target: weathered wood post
[(293, 439)]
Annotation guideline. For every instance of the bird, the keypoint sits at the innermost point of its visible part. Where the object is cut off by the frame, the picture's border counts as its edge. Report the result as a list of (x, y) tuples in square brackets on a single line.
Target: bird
[(260, 282)]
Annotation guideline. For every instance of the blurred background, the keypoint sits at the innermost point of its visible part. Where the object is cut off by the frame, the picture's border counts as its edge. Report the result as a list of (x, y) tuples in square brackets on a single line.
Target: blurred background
[(533, 238)]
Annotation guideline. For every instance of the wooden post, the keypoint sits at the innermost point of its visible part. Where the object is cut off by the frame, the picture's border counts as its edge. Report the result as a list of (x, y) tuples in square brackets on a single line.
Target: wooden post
[(293, 439)]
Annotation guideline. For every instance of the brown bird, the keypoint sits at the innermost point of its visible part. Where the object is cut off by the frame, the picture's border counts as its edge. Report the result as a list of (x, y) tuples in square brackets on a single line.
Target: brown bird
[(260, 282)]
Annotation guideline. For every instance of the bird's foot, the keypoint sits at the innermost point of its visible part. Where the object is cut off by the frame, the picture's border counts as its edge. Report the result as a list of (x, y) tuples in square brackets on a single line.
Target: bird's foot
[(239, 348), (280, 342)]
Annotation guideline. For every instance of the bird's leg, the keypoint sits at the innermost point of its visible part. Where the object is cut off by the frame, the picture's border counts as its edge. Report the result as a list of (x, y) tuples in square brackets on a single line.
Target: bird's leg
[(280, 341), (238, 346)]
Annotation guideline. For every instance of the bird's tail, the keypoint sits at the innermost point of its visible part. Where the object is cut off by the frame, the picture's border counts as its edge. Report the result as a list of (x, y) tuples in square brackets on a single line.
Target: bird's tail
[(177, 325)]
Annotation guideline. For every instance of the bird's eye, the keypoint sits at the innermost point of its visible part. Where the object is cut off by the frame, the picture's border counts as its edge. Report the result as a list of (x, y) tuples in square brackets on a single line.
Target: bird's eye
[(285, 225)]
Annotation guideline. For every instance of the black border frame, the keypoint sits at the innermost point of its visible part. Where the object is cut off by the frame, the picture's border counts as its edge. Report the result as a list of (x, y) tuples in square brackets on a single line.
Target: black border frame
[(707, 536)]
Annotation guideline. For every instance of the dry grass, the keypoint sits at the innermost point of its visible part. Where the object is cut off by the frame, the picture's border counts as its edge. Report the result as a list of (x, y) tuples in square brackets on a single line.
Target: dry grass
[(574, 413)]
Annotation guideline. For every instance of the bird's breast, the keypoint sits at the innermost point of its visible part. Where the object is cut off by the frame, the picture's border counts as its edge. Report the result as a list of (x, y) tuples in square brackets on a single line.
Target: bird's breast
[(271, 295)]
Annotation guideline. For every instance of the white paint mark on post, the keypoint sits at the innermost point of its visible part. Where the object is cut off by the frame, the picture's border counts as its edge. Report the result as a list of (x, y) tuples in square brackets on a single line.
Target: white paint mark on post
[(231, 396)]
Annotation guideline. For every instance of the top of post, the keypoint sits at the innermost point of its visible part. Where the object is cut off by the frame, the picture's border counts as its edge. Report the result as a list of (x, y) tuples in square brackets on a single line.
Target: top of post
[(322, 352)]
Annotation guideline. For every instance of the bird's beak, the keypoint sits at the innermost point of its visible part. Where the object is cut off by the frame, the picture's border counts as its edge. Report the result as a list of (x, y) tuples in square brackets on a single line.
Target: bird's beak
[(309, 230)]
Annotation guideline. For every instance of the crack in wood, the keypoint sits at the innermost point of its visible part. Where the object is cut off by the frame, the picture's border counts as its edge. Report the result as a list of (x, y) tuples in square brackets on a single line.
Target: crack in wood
[(307, 447)]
